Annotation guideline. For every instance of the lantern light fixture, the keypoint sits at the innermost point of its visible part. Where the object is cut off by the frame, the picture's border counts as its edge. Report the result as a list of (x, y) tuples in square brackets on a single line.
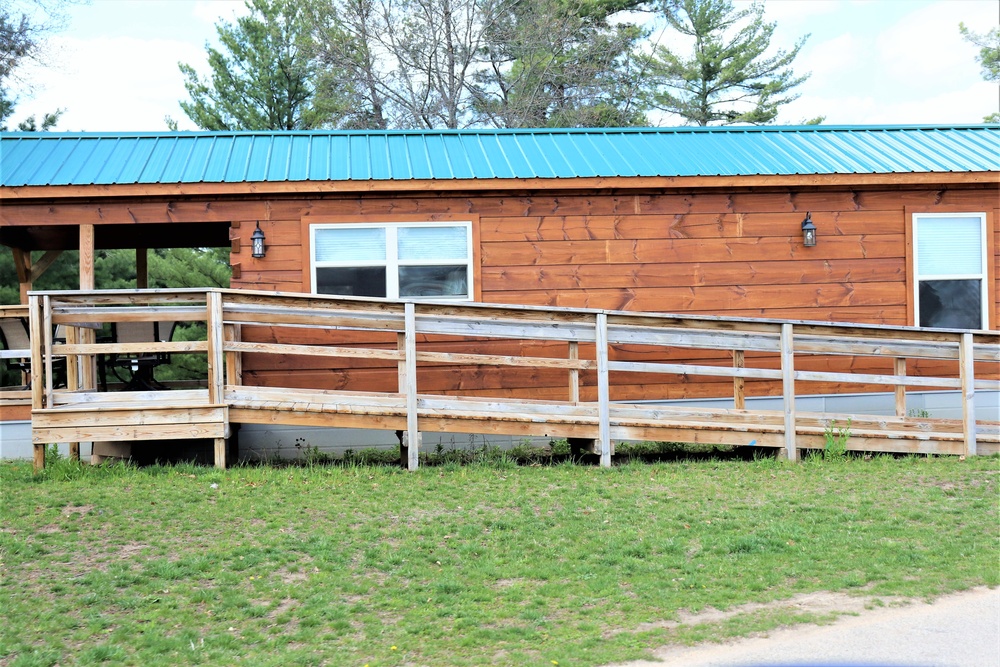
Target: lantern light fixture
[(257, 242), (808, 232)]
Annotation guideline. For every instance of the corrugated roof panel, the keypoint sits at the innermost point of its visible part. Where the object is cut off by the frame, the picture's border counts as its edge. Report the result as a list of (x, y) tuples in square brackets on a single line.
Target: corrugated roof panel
[(476, 158), (13, 154), (632, 152), (603, 157), (217, 161), (319, 159), (49, 169), (239, 159), (419, 159), (359, 159), (24, 172), (833, 154), (510, 147), (135, 152), (259, 159), (536, 158), (689, 157), (962, 149), (793, 153), (298, 158), (576, 155), (116, 161), (177, 162), (437, 158), (457, 148), (340, 157), (399, 158), (156, 161), (92, 156), (378, 157), (548, 146), (278, 150), (197, 161), (233, 157), (496, 160), (86, 158), (907, 153)]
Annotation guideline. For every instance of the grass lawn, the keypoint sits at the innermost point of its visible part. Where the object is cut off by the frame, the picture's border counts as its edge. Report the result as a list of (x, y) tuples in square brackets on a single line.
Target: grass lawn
[(488, 564)]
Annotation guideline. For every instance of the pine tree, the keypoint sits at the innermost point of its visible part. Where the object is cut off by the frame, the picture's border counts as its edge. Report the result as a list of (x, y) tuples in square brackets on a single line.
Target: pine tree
[(265, 79), (727, 77)]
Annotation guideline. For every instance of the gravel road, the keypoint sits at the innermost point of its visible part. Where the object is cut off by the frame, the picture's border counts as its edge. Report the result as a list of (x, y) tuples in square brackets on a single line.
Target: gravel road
[(961, 630)]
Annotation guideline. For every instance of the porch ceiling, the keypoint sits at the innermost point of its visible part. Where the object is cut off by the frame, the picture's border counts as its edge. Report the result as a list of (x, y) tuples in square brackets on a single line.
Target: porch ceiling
[(106, 237)]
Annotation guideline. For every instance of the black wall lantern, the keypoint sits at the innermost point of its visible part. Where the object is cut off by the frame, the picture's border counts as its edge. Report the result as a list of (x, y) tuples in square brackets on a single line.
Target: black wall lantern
[(257, 242), (808, 232)]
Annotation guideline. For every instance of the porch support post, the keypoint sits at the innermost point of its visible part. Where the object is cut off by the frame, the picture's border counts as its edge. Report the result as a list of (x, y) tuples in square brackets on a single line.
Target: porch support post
[(603, 391), (22, 264), (412, 435), (788, 390), (141, 268), (88, 372), (87, 257), (966, 362), (220, 453)]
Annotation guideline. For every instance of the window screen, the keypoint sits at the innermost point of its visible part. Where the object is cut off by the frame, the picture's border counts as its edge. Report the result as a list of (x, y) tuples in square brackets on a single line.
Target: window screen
[(950, 270), (403, 260)]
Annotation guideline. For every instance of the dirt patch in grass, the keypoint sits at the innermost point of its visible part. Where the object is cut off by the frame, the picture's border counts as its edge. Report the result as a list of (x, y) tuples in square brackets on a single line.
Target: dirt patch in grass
[(81, 510), (821, 603)]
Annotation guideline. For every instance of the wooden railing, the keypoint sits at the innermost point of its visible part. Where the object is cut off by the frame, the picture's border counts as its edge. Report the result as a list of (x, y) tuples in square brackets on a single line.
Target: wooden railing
[(15, 394), (410, 336)]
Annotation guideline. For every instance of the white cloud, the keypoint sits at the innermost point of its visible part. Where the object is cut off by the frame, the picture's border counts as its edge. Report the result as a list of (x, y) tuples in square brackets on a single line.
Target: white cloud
[(833, 57), (120, 83), (925, 47), (211, 11)]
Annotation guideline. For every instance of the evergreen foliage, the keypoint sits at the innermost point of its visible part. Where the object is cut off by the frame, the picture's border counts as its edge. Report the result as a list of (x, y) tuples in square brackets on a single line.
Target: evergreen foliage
[(263, 79), (727, 77), (989, 57), (21, 39)]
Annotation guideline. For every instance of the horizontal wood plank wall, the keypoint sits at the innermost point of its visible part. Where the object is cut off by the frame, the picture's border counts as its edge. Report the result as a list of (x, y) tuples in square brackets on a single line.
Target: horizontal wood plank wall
[(734, 253)]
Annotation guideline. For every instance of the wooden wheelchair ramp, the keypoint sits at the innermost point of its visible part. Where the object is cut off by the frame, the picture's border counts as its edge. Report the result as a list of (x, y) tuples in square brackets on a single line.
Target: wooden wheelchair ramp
[(586, 375)]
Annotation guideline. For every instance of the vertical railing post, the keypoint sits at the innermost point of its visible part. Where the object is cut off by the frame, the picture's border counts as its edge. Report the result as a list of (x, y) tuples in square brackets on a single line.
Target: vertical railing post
[(410, 361), (37, 396), (739, 392), (574, 373), (47, 341), (232, 333), (603, 391), (899, 369), (966, 363), (215, 347), (216, 365), (788, 390)]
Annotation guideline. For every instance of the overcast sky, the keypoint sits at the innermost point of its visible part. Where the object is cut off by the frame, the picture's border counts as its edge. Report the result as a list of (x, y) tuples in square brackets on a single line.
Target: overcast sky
[(114, 66)]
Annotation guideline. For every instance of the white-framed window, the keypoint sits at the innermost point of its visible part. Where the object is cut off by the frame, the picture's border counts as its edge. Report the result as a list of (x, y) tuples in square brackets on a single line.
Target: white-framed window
[(950, 270), (431, 260)]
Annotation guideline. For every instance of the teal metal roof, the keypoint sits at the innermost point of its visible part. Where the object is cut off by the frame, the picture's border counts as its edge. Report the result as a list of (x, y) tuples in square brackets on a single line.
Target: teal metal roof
[(55, 158)]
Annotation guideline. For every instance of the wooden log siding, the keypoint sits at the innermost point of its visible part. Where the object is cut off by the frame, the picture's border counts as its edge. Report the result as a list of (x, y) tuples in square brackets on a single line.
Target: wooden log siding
[(701, 252), (586, 339)]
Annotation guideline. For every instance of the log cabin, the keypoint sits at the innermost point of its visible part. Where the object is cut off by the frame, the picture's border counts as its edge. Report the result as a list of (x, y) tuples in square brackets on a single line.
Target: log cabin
[(892, 226)]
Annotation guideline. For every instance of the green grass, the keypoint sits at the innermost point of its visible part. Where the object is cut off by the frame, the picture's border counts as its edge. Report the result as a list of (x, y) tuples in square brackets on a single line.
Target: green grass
[(483, 564)]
